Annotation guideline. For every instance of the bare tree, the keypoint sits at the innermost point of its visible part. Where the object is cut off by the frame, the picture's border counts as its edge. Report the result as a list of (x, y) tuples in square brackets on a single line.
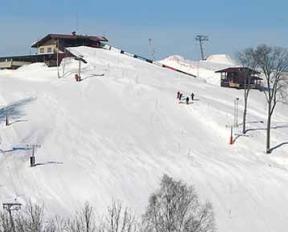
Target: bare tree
[(273, 62), (176, 208), (30, 219), (83, 221), (247, 59), (119, 219), (57, 224)]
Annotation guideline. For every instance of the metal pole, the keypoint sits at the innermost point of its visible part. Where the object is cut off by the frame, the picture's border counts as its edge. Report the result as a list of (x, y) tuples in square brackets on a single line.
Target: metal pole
[(201, 48), (57, 47), (231, 136), (6, 119), (151, 49), (237, 104), (79, 68), (33, 150), (236, 101), (201, 39)]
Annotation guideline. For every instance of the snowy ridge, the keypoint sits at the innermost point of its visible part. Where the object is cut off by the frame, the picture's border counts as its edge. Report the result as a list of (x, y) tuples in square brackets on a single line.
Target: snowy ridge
[(204, 69), (221, 59), (114, 134)]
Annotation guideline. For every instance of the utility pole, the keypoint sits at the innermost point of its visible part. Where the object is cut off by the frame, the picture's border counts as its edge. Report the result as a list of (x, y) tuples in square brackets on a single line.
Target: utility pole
[(201, 39), (9, 207)]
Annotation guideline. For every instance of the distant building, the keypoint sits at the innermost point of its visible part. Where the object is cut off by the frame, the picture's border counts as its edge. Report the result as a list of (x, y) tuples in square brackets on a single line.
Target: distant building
[(52, 49), (238, 77), (53, 42)]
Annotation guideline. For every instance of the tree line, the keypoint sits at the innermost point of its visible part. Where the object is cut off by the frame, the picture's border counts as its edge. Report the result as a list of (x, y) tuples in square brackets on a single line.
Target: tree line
[(174, 207)]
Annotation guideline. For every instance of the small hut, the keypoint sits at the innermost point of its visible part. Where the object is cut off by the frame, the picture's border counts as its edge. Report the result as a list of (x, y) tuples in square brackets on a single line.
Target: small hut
[(240, 77)]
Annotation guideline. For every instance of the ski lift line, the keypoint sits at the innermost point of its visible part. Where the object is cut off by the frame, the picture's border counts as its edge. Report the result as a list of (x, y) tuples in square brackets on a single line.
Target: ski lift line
[(147, 60)]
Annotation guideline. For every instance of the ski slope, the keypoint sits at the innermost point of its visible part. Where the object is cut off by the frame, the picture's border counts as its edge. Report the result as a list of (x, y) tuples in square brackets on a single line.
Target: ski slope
[(114, 134)]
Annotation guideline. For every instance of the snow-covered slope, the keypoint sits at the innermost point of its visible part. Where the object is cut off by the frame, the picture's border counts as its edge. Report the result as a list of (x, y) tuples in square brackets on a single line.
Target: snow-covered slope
[(204, 69), (114, 134)]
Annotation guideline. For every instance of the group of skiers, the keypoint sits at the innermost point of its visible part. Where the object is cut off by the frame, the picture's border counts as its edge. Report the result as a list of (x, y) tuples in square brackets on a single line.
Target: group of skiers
[(180, 97)]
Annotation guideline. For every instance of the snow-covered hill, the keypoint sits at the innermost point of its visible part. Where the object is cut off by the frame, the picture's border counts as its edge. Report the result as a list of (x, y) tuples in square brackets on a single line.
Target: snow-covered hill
[(114, 134), (204, 69)]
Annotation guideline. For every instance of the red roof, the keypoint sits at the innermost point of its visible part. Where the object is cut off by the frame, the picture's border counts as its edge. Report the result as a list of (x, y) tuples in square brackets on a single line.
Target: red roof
[(69, 37)]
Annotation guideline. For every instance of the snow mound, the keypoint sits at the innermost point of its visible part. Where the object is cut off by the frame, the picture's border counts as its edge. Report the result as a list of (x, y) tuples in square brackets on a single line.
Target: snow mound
[(221, 59), (175, 59)]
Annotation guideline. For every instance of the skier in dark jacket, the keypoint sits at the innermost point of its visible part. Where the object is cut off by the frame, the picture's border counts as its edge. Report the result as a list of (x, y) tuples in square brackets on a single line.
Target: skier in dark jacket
[(192, 96), (187, 100), (178, 95)]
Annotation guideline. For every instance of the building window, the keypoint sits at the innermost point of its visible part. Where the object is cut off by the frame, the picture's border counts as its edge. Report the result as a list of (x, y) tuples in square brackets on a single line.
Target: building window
[(41, 50), (49, 50)]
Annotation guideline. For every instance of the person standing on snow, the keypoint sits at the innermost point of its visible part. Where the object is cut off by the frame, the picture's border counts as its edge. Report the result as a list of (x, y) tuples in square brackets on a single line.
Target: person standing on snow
[(178, 95), (192, 96), (187, 100)]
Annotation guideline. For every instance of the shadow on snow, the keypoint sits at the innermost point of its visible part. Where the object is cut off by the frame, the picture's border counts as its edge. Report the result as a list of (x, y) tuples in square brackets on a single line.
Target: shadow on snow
[(14, 111)]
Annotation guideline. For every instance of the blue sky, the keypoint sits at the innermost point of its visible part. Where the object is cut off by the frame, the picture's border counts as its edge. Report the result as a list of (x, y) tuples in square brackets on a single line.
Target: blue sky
[(128, 24)]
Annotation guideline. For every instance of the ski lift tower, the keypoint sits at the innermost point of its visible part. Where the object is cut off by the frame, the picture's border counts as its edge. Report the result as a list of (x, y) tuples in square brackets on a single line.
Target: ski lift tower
[(201, 39), (9, 207), (32, 156)]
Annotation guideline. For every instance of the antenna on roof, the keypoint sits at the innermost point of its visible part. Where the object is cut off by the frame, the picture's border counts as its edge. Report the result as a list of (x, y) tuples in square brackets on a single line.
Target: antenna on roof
[(201, 39)]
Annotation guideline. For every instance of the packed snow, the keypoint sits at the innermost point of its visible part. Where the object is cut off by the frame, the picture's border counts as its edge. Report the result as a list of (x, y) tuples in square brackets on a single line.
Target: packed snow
[(114, 134)]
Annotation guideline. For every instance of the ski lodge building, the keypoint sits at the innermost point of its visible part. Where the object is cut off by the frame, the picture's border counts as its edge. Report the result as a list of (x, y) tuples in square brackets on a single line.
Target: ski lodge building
[(53, 43), (238, 77), (52, 49)]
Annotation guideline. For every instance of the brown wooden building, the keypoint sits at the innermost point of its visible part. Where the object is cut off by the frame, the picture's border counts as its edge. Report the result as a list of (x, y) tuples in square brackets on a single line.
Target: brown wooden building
[(53, 43), (238, 77), (52, 49)]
